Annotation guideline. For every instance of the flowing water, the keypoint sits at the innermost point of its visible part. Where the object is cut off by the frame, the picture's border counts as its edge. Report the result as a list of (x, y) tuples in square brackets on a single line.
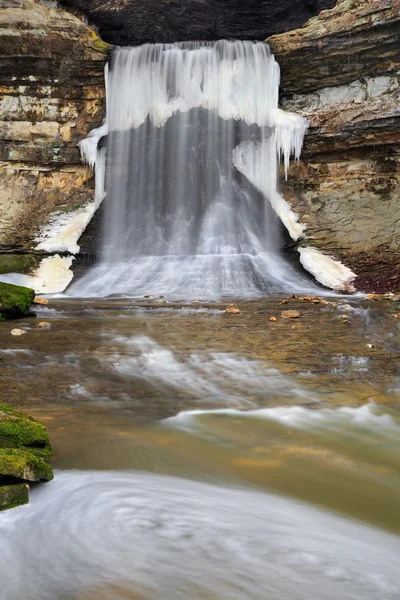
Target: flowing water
[(192, 207), (200, 454)]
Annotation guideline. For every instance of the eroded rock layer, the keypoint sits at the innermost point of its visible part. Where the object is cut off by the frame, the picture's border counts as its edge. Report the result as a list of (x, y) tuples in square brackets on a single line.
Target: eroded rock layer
[(132, 22), (51, 96), (341, 71)]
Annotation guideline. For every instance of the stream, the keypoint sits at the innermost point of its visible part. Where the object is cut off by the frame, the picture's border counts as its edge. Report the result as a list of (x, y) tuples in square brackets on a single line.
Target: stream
[(206, 455)]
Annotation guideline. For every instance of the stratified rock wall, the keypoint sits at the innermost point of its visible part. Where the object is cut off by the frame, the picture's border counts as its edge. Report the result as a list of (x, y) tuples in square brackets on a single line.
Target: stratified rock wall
[(341, 71), (51, 96), (132, 22)]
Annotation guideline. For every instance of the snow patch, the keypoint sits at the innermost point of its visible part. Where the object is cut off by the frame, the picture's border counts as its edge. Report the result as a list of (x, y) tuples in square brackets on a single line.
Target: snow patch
[(328, 271), (62, 232), (51, 277)]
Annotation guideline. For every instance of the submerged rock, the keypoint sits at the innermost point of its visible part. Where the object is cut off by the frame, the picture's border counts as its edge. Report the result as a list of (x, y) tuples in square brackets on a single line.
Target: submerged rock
[(232, 309), (18, 332), (290, 314), (15, 301)]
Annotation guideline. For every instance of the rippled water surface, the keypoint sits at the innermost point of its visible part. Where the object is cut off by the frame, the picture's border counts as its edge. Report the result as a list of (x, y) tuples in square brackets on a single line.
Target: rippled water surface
[(201, 454)]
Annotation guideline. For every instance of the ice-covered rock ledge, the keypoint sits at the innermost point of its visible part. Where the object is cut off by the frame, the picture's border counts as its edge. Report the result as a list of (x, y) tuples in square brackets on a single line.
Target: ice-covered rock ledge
[(329, 272), (52, 275)]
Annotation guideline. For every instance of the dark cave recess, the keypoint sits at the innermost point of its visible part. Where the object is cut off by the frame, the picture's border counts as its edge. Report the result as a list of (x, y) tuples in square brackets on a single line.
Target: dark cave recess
[(133, 22)]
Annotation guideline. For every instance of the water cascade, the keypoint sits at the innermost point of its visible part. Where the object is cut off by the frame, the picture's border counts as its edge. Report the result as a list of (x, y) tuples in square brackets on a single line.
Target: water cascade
[(194, 141)]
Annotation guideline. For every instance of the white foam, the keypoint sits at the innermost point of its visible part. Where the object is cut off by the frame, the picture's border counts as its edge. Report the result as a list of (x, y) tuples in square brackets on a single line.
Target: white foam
[(367, 417)]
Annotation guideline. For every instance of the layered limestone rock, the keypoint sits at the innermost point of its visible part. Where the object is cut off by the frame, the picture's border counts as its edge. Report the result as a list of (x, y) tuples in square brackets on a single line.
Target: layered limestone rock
[(51, 95), (341, 71)]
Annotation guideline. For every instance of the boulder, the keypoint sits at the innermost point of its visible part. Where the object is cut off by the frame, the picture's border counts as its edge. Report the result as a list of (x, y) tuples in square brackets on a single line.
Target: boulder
[(15, 301), (23, 465)]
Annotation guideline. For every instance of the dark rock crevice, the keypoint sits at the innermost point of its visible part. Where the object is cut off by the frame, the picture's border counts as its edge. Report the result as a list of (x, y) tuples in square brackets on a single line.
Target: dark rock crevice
[(133, 22)]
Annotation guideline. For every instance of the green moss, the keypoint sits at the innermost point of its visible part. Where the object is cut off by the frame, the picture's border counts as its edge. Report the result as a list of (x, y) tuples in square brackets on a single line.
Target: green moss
[(97, 43), (18, 430), (15, 300), (13, 495), (20, 464), (17, 263)]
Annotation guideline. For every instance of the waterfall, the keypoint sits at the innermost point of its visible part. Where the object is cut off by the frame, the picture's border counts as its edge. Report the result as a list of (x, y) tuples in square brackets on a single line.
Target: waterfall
[(193, 145)]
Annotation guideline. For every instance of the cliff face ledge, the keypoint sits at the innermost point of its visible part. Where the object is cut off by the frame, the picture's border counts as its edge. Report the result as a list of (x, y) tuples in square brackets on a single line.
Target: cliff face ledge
[(341, 71), (132, 22), (51, 96)]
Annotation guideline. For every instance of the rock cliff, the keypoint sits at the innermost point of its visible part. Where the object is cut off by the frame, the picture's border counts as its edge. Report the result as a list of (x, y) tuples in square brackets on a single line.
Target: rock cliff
[(132, 22), (51, 96), (341, 71)]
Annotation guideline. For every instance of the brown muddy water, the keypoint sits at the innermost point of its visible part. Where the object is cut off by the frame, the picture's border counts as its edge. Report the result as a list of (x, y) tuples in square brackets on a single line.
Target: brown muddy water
[(200, 454)]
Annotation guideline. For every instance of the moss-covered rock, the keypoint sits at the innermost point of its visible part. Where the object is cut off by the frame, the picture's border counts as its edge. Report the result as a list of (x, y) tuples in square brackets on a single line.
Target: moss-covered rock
[(17, 263), (18, 430), (24, 443), (13, 495), (20, 464), (15, 301)]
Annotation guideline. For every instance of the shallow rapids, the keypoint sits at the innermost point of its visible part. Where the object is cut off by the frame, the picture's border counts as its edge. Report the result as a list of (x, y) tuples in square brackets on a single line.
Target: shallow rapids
[(206, 455), (115, 535)]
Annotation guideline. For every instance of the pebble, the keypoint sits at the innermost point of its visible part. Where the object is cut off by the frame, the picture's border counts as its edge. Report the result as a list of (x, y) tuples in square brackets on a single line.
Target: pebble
[(232, 309), (17, 332), (38, 300), (273, 319)]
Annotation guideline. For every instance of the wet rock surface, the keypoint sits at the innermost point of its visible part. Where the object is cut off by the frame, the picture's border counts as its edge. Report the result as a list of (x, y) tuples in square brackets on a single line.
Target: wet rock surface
[(15, 301), (340, 71), (24, 443), (21, 431)]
